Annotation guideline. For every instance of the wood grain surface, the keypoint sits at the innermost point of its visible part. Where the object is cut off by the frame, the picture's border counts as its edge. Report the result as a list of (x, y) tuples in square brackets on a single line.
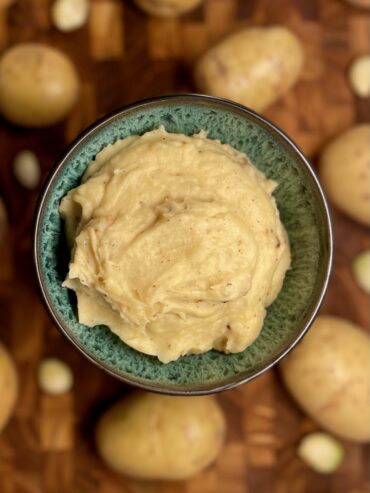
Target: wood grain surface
[(123, 55)]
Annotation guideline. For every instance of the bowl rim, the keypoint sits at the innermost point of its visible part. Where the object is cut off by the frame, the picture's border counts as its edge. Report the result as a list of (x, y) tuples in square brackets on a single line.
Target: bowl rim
[(106, 120)]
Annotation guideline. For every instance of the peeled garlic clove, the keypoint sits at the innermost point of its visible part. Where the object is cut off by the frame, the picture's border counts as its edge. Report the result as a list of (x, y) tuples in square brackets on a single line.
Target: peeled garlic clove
[(26, 169), (359, 76), (55, 376), (321, 452), (68, 15), (361, 270)]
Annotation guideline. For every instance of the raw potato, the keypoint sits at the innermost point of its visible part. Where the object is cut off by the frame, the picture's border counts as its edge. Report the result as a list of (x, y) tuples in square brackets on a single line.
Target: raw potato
[(8, 386), (55, 376), (345, 172), (328, 374), (68, 15), (38, 85), (361, 270), (359, 76), (360, 3), (5, 3), (153, 436), (167, 8), (322, 452), (253, 67), (26, 168)]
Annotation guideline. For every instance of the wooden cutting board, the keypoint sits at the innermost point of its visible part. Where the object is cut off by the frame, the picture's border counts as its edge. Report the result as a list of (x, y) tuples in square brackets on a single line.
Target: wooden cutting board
[(123, 55)]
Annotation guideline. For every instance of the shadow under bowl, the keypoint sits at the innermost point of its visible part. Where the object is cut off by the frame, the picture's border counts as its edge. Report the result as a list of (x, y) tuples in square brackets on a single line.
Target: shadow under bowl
[(303, 210)]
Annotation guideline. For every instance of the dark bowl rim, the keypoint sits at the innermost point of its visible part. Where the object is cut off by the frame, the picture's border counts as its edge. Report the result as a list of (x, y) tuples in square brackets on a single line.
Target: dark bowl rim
[(105, 120)]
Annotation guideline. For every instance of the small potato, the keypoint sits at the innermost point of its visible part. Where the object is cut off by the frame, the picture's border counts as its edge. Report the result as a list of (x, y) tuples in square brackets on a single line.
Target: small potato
[(345, 172), (153, 436), (360, 3), (328, 374), (8, 386), (38, 85), (167, 8), (253, 67), (5, 3)]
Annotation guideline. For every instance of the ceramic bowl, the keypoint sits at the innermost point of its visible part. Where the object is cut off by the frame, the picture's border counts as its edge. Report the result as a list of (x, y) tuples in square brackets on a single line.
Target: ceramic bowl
[(303, 211)]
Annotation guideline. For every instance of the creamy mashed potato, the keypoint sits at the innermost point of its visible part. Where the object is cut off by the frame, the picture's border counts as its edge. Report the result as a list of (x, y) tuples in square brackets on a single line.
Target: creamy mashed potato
[(177, 244)]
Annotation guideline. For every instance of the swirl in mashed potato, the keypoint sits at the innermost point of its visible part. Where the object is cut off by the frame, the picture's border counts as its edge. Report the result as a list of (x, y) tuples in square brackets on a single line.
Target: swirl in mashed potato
[(177, 244)]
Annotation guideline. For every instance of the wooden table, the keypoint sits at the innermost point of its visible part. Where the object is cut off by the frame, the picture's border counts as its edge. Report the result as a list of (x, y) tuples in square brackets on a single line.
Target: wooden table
[(123, 55)]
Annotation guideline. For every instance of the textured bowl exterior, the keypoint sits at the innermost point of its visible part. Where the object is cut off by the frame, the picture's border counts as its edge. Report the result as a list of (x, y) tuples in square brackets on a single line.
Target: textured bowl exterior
[(303, 211)]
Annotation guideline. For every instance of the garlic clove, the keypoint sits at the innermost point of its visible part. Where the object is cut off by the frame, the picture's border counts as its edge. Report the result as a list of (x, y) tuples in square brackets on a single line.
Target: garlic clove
[(68, 15), (359, 76), (55, 376), (321, 452), (361, 270), (26, 169)]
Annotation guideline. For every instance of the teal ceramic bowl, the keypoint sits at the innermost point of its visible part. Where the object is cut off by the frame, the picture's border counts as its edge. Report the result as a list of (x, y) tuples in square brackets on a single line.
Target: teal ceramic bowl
[(302, 208)]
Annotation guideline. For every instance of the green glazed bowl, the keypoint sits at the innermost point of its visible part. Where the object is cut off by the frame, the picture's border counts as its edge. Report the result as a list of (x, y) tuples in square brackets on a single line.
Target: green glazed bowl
[(302, 208)]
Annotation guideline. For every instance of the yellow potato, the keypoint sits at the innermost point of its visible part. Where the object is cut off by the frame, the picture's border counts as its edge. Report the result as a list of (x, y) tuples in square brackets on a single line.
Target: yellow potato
[(153, 436), (38, 85), (328, 374), (167, 8), (253, 67), (360, 3), (5, 3), (345, 172), (8, 386)]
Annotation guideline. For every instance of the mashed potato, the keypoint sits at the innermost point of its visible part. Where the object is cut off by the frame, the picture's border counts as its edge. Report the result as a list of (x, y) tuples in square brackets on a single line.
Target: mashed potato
[(177, 245)]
